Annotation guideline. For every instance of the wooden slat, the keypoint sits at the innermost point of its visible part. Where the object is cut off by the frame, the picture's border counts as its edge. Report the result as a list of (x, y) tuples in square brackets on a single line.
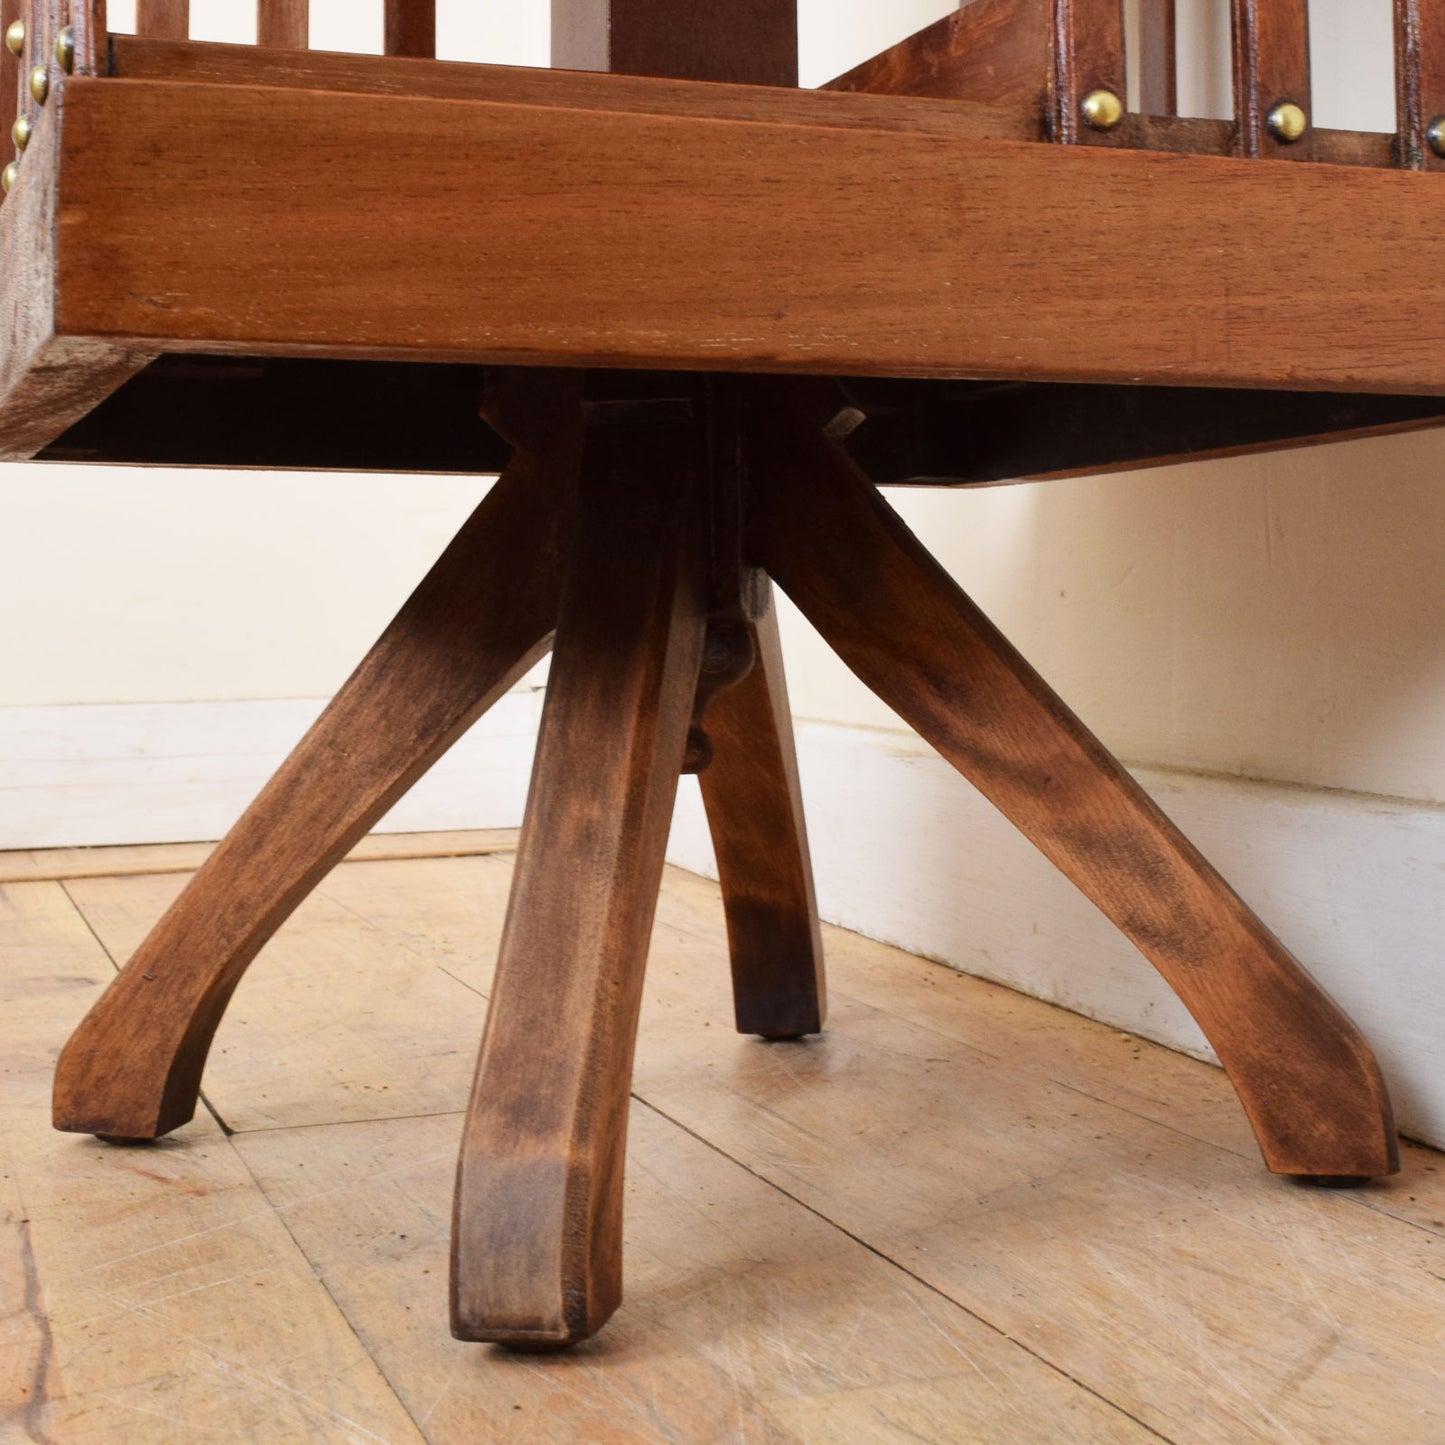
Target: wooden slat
[(1088, 56), (283, 24), (752, 42), (164, 19), (1175, 276), (10, 66), (1157, 62), (411, 27), (1271, 67), (1420, 81)]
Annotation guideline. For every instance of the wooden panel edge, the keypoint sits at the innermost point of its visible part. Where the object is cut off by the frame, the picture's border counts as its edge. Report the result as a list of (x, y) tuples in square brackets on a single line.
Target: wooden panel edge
[(47, 381)]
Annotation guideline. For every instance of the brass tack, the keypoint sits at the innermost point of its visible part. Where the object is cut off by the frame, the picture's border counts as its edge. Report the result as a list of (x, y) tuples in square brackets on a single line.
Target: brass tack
[(7, 176), (65, 49), (39, 84), (15, 37), (20, 132), (1288, 122), (1436, 136), (1101, 110)]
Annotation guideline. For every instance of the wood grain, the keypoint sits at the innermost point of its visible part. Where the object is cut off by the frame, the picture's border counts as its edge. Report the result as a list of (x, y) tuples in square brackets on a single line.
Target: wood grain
[(1271, 65), (480, 619), (283, 24), (155, 1293), (47, 382), (1419, 80), (164, 19), (751, 42), (537, 1230), (138, 59), (1088, 56), (411, 27), (754, 807), (701, 266), (994, 51), (1308, 1081)]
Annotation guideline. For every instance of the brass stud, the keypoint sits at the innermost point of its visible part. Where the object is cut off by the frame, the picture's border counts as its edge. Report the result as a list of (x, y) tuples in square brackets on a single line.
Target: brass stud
[(1436, 136), (1101, 110), (1288, 122), (15, 37), (20, 132), (65, 49), (39, 84), (7, 176)]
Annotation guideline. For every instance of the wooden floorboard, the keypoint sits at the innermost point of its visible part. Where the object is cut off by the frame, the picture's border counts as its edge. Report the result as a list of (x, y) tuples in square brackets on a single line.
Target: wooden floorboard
[(961, 1215)]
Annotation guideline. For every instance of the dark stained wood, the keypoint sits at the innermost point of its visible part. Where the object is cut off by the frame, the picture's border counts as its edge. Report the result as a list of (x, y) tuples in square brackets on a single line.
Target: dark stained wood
[(482, 617), (755, 810), (1157, 63), (291, 413), (164, 19), (283, 24), (1308, 1081), (995, 51), (1088, 56), (536, 1242), (1419, 79), (1175, 278), (1271, 65), (749, 41), (411, 27), (941, 433)]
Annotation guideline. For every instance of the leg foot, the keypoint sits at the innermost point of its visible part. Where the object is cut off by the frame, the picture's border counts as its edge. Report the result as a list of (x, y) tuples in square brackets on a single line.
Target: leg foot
[(480, 619), (536, 1240), (755, 810), (1308, 1081)]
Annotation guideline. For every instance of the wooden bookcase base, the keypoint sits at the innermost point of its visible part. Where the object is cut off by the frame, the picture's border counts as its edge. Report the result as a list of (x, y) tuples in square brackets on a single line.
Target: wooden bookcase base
[(634, 531)]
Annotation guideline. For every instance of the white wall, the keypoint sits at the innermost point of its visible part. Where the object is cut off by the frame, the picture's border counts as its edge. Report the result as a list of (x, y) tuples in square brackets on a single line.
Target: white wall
[(1275, 618)]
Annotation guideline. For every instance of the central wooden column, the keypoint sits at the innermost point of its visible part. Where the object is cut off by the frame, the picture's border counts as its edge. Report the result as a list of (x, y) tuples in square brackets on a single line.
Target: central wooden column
[(750, 42)]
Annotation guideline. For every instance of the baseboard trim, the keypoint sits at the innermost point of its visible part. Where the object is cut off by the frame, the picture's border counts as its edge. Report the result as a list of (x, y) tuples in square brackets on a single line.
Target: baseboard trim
[(89, 776), (906, 852)]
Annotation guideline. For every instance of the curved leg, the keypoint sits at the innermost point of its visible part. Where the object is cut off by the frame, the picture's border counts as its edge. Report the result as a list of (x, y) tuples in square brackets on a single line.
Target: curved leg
[(484, 614), (1307, 1079), (755, 811), (537, 1235)]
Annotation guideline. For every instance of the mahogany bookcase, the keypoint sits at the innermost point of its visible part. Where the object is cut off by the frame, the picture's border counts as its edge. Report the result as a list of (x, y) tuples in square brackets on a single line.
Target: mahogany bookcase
[(696, 315)]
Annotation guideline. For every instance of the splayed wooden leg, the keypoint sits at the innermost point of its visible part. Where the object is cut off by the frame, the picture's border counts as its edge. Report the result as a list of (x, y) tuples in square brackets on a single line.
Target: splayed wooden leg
[(1308, 1081), (755, 810), (481, 618), (536, 1241)]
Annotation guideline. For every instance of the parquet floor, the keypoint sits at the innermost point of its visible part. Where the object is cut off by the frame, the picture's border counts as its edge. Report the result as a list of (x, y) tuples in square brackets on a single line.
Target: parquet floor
[(962, 1215)]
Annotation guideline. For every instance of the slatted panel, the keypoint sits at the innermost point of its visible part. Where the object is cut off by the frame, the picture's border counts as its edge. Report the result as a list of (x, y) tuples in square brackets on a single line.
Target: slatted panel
[(1420, 82), (283, 24), (163, 19), (1156, 60), (1271, 69), (1089, 57), (10, 70), (411, 27)]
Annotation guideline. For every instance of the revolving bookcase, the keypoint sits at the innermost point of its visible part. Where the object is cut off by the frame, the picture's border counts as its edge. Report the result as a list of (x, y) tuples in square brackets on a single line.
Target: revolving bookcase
[(695, 315)]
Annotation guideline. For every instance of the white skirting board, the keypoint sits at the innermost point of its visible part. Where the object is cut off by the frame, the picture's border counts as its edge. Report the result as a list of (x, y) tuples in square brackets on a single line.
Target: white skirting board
[(905, 851), (183, 772)]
